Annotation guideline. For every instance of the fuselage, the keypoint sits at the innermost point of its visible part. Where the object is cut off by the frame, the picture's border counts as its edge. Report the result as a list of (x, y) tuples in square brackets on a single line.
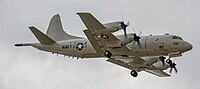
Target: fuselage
[(152, 45)]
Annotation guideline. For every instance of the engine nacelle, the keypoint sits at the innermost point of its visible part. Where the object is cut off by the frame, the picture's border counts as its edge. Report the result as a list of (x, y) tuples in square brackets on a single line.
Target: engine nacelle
[(160, 65), (113, 26), (151, 60), (126, 41)]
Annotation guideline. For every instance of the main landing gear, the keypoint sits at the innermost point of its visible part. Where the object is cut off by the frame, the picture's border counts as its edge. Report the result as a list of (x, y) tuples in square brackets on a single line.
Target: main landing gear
[(134, 73), (108, 54)]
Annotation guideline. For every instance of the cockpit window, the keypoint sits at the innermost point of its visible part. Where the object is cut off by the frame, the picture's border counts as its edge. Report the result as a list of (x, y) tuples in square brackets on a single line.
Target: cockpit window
[(180, 38), (174, 37), (177, 37)]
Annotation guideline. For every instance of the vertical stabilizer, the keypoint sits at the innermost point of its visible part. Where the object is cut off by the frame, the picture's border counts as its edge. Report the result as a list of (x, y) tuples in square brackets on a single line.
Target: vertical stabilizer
[(55, 30)]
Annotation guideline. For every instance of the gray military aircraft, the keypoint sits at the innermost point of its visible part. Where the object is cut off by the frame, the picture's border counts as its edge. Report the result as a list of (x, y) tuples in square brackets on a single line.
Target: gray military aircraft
[(150, 53)]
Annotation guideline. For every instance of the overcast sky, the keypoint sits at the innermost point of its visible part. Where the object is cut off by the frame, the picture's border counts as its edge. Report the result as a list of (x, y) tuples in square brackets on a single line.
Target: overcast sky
[(28, 68)]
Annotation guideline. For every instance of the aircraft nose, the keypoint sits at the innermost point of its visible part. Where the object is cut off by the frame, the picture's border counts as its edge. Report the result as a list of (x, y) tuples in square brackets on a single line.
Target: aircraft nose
[(188, 46)]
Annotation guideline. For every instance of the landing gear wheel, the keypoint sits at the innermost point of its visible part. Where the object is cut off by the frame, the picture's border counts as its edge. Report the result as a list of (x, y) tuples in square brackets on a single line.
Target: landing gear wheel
[(108, 54), (134, 73)]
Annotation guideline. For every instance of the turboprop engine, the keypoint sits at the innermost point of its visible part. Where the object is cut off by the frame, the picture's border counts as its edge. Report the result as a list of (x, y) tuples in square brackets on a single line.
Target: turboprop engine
[(116, 26)]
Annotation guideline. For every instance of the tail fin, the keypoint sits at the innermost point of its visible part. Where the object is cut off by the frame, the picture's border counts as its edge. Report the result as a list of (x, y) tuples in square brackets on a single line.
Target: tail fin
[(44, 39), (55, 30)]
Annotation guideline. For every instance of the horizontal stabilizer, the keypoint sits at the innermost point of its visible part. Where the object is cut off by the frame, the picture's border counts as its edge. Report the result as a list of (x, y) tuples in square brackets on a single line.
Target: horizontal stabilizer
[(44, 39)]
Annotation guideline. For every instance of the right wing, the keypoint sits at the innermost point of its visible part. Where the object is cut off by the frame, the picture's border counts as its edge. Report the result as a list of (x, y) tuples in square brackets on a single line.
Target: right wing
[(138, 64)]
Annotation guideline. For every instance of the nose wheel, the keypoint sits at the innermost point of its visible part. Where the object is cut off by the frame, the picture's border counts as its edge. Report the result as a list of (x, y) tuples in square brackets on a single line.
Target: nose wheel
[(108, 54), (134, 73)]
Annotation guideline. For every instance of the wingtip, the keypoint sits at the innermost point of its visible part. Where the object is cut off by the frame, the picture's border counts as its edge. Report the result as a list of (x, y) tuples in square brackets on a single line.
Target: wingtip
[(30, 27), (83, 13)]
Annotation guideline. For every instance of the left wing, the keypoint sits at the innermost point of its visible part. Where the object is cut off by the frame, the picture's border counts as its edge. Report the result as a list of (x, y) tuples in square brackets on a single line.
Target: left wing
[(101, 37), (138, 64)]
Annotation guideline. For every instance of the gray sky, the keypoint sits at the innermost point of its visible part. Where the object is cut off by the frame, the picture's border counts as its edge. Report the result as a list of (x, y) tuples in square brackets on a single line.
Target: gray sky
[(28, 68)]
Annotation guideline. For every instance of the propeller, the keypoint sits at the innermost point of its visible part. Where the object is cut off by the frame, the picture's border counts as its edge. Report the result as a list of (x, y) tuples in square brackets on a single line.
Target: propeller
[(136, 37), (172, 66), (124, 26)]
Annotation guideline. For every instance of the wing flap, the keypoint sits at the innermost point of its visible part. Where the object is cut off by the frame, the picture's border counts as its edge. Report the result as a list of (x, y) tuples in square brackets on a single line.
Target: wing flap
[(132, 63), (93, 41), (120, 63), (159, 73)]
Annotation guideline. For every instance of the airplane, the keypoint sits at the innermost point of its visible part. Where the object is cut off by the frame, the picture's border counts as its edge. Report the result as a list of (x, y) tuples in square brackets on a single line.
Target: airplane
[(151, 53)]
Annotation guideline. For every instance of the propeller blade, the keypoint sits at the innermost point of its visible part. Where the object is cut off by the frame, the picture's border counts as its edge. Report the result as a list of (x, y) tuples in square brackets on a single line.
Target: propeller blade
[(122, 17), (162, 59), (173, 66), (124, 26), (137, 39), (134, 30), (139, 44), (175, 69), (170, 71), (140, 33), (125, 34), (128, 23)]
